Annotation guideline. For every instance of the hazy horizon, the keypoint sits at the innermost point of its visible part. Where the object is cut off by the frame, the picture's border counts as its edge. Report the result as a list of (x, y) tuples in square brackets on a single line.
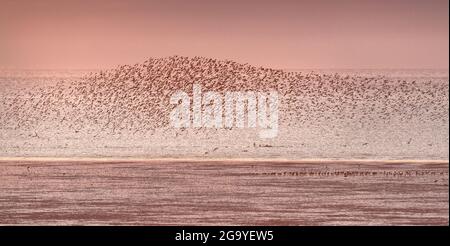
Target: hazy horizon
[(327, 34), (285, 69), (114, 66)]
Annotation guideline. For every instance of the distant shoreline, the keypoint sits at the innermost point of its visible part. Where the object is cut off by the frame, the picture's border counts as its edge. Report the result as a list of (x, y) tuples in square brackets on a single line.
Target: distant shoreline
[(212, 160)]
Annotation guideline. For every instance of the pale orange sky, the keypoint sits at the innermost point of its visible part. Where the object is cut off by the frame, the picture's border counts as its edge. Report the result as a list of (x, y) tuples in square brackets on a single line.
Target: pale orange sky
[(280, 34)]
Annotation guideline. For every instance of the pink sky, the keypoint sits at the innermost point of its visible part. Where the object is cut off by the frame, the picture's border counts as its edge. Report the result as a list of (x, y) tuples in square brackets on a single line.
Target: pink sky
[(279, 34)]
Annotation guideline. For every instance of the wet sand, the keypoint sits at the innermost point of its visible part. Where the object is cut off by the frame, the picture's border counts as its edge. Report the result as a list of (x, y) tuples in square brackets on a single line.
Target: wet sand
[(223, 192)]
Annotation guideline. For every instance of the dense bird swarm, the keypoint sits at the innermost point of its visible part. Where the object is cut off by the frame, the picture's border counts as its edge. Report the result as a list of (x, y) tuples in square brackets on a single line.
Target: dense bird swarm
[(136, 98)]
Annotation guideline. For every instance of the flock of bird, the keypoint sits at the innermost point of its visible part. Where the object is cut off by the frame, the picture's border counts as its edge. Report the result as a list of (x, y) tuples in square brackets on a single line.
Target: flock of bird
[(136, 98)]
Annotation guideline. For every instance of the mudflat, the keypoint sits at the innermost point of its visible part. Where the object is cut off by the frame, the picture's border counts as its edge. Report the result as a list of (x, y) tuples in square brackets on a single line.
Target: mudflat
[(223, 192)]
